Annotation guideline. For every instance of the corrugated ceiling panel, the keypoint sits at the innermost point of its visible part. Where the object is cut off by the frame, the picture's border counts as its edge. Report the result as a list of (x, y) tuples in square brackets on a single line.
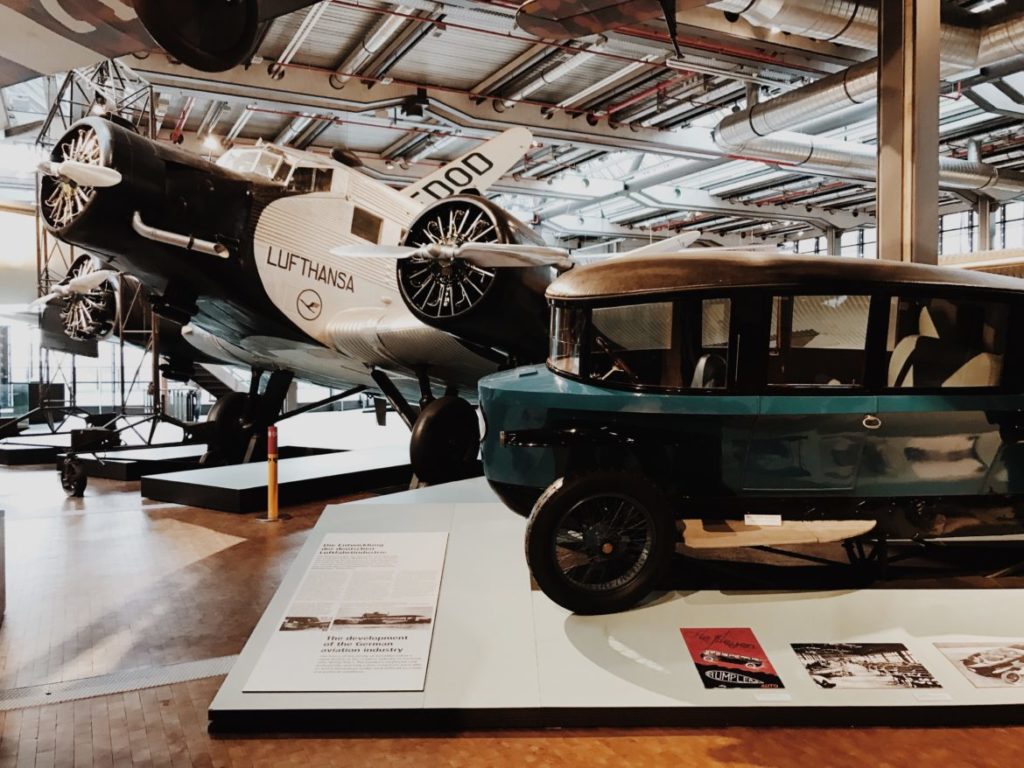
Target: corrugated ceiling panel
[(457, 58)]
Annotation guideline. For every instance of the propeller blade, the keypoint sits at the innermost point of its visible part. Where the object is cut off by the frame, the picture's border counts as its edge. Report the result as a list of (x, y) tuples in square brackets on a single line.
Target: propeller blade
[(83, 174), (491, 255), (90, 281), (42, 301), (373, 251)]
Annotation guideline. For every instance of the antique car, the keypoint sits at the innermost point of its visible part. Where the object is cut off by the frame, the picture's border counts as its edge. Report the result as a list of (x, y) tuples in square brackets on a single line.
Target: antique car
[(759, 398), (1006, 663)]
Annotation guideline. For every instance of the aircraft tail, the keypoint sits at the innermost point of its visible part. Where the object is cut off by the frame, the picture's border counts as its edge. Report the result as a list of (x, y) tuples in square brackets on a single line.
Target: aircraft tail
[(476, 170)]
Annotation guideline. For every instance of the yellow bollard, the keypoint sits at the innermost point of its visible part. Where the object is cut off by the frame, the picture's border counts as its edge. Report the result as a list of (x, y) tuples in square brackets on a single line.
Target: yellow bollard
[(273, 515)]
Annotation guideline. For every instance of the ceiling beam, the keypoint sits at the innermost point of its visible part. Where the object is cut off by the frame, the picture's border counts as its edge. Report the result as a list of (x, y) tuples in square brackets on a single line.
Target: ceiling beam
[(309, 90)]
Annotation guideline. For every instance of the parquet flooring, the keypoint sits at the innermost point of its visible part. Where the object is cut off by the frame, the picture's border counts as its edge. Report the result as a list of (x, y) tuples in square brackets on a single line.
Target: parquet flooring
[(112, 582)]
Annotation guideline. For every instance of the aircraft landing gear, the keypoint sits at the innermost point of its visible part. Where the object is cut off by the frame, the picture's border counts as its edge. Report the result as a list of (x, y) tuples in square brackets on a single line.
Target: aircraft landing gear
[(238, 421), (445, 436), (73, 477)]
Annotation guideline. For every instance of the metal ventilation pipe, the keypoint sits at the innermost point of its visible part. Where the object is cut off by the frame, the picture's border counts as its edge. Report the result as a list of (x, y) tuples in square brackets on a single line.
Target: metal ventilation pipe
[(376, 39), (754, 132), (852, 160), (555, 73)]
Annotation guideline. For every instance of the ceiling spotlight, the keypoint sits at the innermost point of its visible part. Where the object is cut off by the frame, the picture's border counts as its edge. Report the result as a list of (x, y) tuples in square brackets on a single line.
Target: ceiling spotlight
[(99, 108), (211, 143), (389, 165)]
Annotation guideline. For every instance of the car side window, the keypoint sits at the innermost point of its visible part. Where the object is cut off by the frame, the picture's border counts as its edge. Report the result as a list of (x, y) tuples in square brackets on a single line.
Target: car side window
[(945, 343), (680, 344), (818, 340)]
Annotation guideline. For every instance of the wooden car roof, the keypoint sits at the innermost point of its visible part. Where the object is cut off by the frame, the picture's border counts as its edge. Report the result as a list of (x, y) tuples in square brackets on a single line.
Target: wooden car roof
[(630, 277)]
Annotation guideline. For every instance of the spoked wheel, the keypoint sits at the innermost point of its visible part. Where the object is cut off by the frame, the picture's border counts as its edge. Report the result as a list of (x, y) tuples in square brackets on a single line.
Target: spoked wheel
[(600, 543), (73, 477)]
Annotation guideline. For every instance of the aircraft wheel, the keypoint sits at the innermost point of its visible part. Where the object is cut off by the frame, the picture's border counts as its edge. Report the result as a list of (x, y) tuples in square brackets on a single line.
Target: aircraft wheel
[(73, 477), (600, 543), (227, 415), (445, 441)]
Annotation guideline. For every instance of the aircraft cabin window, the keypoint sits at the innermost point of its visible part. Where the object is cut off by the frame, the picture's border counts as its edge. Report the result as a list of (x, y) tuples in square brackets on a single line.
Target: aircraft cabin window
[(680, 344), (366, 226), (818, 340), (282, 172), (266, 164), (944, 343)]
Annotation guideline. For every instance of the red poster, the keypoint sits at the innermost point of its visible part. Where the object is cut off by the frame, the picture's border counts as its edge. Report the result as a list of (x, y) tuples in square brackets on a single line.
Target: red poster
[(730, 658)]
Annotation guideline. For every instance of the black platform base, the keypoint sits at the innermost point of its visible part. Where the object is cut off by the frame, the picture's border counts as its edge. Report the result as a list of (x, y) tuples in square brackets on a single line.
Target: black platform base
[(132, 464), (242, 488), (25, 454)]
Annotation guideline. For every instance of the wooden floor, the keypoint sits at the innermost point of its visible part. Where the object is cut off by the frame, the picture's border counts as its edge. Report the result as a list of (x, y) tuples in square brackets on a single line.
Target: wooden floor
[(111, 583)]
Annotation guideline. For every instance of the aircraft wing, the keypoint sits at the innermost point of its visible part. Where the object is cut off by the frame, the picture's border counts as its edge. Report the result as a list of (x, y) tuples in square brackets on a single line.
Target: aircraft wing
[(43, 37), (562, 19), (476, 170)]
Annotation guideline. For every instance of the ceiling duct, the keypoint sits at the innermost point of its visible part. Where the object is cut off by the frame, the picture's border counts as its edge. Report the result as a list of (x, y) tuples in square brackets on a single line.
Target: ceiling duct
[(758, 132)]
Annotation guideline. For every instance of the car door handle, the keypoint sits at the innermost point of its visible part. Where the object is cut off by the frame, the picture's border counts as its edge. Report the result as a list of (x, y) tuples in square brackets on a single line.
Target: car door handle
[(871, 422)]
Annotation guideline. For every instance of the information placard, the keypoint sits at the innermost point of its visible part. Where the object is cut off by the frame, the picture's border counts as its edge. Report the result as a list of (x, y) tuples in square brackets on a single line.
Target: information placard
[(361, 620)]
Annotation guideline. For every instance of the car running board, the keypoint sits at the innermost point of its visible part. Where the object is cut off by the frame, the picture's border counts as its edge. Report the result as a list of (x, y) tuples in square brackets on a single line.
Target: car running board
[(727, 534)]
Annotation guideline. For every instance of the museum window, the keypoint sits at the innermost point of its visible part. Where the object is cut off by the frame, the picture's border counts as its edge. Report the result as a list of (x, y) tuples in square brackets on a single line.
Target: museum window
[(682, 344), (365, 225), (818, 340), (1009, 226), (945, 343), (957, 232)]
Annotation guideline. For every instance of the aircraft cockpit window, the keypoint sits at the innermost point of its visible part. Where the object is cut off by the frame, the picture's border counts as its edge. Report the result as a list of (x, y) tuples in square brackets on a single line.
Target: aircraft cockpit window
[(310, 179), (266, 165), (283, 171)]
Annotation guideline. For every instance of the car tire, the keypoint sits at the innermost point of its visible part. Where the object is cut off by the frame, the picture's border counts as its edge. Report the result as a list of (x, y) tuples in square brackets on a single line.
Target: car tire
[(1012, 677), (629, 566)]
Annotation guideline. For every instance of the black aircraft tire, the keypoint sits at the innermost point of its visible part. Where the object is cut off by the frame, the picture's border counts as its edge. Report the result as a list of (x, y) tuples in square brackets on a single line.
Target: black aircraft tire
[(73, 477), (594, 504), (445, 441), (227, 415)]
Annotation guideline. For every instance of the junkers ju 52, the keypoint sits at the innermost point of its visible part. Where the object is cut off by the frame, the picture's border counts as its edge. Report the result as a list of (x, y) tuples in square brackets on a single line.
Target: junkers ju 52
[(835, 398), (239, 253)]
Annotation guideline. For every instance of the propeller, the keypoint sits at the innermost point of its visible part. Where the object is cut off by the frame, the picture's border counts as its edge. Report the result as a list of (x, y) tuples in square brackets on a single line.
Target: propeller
[(486, 255), (82, 174), (76, 285)]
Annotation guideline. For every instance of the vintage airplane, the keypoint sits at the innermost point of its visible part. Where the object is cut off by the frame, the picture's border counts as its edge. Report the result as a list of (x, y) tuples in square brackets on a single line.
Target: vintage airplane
[(433, 286)]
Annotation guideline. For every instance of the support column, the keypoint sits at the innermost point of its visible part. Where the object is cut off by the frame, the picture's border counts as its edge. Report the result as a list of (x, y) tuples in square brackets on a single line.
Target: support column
[(833, 241), (986, 224), (908, 130)]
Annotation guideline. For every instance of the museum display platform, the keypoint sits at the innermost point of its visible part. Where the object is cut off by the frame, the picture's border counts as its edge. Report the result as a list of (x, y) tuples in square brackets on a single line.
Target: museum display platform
[(503, 655), (243, 487), (33, 447), (134, 463)]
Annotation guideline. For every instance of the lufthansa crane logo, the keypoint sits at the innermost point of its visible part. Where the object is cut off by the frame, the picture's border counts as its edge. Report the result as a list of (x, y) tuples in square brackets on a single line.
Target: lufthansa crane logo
[(309, 305)]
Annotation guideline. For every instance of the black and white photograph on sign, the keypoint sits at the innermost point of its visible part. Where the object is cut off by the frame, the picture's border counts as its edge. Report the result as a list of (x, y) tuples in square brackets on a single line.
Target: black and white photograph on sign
[(295, 623), (988, 664), (361, 620), (863, 665), (397, 616)]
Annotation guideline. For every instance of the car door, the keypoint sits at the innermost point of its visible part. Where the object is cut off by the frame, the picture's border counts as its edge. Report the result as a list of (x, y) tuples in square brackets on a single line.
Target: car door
[(814, 413), (942, 405)]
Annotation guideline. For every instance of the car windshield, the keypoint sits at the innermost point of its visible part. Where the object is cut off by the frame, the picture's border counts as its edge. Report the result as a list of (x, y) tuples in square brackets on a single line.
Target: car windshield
[(678, 344)]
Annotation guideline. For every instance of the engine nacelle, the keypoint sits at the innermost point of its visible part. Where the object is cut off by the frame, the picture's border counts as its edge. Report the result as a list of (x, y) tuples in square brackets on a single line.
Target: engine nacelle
[(211, 35), (493, 308), (162, 186)]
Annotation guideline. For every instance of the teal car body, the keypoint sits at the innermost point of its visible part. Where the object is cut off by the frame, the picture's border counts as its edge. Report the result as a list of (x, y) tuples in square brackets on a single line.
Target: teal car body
[(843, 388)]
